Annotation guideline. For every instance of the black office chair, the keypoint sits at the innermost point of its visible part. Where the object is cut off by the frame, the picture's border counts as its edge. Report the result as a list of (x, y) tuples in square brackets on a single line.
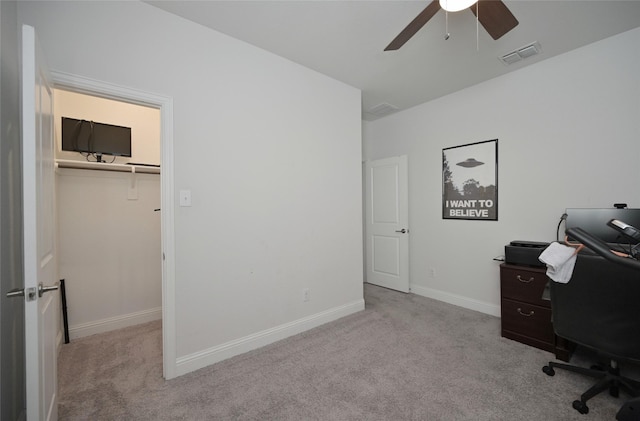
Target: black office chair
[(599, 308), (630, 411)]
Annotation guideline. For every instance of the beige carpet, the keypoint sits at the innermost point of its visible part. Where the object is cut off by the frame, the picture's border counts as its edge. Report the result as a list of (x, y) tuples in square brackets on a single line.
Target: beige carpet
[(404, 357)]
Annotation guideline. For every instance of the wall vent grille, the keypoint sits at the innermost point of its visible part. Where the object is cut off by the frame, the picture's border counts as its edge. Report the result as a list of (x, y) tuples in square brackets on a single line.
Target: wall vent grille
[(381, 110), (521, 53)]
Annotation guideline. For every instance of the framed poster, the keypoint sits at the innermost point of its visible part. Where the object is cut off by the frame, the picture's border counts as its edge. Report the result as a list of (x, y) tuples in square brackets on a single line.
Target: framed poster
[(470, 181)]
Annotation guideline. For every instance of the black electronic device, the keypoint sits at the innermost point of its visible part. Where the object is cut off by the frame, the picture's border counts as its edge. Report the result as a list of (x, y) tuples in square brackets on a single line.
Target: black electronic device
[(596, 222), (95, 138), (524, 253), (627, 230)]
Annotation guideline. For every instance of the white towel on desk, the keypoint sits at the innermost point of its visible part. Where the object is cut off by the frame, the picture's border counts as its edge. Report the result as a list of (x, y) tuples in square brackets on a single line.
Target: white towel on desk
[(560, 261)]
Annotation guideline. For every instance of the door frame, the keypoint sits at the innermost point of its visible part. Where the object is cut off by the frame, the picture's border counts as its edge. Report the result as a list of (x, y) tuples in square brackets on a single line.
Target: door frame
[(83, 85)]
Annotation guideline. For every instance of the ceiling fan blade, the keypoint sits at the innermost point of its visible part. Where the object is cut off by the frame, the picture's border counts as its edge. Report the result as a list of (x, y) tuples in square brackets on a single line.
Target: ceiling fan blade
[(414, 26), (495, 17)]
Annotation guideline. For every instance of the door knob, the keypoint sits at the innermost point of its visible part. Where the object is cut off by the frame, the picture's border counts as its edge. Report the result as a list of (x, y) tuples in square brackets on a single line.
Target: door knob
[(402, 230), (18, 292), (42, 289)]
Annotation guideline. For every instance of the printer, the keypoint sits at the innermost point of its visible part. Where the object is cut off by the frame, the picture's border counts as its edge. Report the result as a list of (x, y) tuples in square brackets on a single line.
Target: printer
[(524, 253)]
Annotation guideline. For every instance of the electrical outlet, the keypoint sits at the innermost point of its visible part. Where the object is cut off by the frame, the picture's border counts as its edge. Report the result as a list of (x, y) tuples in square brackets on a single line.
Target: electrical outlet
[(305, 295)]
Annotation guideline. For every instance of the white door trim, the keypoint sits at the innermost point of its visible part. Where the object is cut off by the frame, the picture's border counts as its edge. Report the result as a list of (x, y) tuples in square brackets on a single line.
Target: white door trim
[(165, 104)]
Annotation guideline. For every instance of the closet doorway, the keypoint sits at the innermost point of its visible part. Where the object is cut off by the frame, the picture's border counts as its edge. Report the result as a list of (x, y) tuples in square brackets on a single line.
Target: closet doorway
[(109, 218)]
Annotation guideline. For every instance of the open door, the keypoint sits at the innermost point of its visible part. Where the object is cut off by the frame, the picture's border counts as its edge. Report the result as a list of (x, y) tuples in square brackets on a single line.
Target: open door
[(387, 219), (41, 309)]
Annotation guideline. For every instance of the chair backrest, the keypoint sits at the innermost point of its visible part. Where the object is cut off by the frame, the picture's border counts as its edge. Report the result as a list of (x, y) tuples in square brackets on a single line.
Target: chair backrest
[(599, 307)]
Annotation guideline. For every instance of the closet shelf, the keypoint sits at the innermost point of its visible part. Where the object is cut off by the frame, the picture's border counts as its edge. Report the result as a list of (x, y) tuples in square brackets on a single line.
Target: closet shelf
[(85, 165)]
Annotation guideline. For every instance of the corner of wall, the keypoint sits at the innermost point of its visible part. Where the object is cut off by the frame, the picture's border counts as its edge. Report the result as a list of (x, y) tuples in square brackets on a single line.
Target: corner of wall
[(239, 346)]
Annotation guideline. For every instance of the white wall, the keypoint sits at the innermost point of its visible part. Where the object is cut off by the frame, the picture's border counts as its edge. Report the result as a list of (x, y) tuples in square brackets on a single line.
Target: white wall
[(568, 137), (108, 249), (271, 152), (143, 121)]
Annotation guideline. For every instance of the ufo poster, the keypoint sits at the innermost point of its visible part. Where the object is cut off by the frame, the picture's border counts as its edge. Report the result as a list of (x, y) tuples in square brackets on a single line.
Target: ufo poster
[(470, 181)]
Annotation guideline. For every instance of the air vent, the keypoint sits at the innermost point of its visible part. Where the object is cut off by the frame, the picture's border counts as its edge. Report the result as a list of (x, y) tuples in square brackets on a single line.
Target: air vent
[(511, 58), (521, 53), (382, 109)]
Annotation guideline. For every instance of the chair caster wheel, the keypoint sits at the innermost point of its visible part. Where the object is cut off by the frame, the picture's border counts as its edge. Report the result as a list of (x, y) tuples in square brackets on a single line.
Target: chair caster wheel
[(581, 407), (548, 370)]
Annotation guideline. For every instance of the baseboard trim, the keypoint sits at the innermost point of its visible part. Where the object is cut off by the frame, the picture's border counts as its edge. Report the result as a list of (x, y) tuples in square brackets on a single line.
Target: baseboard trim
[(113, 323), (204, 358), (457, 300)]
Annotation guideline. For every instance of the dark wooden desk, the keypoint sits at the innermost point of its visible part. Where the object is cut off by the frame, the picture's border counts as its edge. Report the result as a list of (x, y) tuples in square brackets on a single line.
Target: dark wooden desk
[(526, 315)]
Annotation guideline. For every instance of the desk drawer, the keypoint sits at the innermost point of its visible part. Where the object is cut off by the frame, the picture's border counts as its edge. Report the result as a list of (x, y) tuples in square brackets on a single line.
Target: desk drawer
[(528, 320), (523, 285)]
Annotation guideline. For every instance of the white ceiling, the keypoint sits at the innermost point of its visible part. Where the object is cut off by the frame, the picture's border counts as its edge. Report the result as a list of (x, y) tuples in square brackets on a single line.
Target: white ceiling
[(346, 39)]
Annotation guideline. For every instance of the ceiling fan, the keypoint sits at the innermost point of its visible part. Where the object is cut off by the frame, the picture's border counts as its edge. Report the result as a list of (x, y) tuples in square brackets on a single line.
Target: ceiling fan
[(493, 15)]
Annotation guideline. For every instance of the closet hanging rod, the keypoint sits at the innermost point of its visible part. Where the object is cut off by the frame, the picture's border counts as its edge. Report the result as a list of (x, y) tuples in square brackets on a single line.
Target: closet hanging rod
[(102, 166)]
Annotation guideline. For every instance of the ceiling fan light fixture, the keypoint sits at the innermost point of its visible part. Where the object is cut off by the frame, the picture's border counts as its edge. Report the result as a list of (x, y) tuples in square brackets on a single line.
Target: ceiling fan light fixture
[(456, 5)]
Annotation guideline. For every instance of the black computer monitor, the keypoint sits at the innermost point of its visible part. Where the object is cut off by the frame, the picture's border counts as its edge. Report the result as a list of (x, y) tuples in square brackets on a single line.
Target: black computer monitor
[(95, 138)]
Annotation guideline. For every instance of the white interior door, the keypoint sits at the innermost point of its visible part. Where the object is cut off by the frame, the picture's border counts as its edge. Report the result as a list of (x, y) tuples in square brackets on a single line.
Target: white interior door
[(41, 315), (387, 218)]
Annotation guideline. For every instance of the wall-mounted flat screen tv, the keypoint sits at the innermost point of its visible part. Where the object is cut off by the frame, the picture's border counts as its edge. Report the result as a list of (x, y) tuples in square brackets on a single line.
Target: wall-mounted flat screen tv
[(594, 221), (95, 138)]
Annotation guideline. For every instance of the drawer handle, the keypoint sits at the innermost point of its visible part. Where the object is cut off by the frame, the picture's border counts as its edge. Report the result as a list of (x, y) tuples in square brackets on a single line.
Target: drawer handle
[(525, 314), (525, 280)]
